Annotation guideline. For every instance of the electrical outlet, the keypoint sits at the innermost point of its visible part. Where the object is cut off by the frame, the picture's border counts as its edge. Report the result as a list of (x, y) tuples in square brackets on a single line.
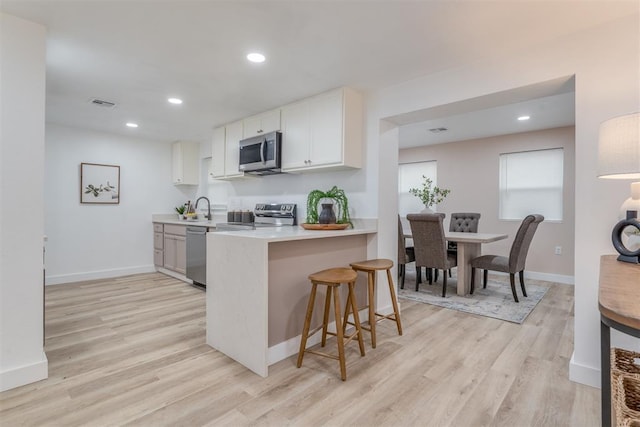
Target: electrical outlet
[(558, 250)]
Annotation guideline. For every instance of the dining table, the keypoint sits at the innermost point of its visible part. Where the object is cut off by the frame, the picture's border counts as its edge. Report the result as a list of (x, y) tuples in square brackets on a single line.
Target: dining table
[(469, 247)]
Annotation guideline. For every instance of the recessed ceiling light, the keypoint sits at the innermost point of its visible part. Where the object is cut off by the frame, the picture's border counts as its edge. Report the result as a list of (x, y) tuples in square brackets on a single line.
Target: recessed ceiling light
[(256, 57), (176, 101), (132, 125), (522, 118)]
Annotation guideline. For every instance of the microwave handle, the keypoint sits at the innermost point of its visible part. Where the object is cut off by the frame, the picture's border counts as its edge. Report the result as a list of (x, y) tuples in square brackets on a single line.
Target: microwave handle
[(263, 146)]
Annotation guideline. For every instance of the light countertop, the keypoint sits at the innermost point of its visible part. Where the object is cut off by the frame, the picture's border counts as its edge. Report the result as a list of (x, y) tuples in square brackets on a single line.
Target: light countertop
[(296, 232), (173, 219)]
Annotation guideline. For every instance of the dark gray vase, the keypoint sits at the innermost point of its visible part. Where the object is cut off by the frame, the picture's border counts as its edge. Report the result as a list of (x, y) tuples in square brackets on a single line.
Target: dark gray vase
[(327, 215)]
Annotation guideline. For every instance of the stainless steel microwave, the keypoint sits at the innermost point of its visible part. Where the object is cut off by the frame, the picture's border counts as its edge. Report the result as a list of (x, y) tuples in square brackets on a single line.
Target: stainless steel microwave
[(261, 155)]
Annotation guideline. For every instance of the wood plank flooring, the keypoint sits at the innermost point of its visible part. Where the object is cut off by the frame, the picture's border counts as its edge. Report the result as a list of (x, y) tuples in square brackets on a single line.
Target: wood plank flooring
[(131, 351)]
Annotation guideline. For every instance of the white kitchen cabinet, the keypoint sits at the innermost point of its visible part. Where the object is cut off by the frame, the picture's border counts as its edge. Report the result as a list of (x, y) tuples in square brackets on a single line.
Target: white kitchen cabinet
[(186, 167), (225, 151), (261, 124), (175, 248), (218, 145), (233, 135), (323, 132), (158, 245)]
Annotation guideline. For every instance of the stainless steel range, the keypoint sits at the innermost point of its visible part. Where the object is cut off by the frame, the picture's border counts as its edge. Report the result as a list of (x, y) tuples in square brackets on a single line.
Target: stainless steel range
[(265, 215)]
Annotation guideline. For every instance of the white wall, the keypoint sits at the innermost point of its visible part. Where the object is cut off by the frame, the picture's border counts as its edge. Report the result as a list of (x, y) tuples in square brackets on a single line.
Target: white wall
[(22, 81), (606, 63), (87, 241), (291, 188)]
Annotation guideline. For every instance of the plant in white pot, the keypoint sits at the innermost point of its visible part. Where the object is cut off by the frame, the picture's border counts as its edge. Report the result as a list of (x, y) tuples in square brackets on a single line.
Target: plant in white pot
[(429, 195)]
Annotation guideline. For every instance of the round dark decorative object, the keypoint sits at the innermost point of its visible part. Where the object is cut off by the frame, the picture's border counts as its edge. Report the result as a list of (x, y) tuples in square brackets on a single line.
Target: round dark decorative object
[(327, 215), (626, 254)]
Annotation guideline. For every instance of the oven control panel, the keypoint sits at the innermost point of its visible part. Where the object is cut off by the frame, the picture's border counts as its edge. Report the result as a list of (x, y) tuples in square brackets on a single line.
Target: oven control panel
[(276, 213)]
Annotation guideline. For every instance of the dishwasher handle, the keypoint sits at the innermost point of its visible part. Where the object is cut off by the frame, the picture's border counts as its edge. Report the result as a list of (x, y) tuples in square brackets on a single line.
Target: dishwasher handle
[(197, 230)]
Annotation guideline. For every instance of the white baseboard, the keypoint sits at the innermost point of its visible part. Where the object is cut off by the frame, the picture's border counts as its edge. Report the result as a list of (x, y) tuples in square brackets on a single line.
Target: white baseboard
[(582, 374), (291, 346), (174, 275), (100, 274), (25, 374), (548, 277)]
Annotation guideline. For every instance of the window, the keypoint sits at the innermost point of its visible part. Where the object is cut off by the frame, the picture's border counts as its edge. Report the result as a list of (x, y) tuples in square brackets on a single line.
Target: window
[(410, 176), (531, 182)]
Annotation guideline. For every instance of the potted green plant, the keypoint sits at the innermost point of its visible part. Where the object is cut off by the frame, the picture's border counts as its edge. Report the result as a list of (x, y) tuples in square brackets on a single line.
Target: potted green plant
[(429, 196), (180, 209), (337, 197)]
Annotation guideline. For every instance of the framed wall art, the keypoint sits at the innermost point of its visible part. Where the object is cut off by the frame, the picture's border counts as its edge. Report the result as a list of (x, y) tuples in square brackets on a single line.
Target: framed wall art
[(99, 184)]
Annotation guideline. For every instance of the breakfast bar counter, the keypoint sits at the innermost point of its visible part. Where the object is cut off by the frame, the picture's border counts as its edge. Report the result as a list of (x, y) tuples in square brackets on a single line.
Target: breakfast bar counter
[(257, 286)]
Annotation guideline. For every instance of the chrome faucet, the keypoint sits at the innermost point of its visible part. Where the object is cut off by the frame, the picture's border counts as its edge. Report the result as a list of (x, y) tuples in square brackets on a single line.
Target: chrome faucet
[(208, 206)]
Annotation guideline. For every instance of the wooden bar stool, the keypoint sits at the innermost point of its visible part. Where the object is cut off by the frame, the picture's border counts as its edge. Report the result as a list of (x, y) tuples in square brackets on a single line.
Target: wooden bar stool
[(371, 267), (332, 279)]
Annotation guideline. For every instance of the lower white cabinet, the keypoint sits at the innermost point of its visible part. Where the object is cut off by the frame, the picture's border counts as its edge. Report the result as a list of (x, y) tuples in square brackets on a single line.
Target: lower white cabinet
[(174, 251), (158, 244)]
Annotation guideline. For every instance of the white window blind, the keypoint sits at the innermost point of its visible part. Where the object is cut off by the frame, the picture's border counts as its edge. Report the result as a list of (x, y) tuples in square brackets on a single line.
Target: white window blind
[(531, 182), (410, 176)]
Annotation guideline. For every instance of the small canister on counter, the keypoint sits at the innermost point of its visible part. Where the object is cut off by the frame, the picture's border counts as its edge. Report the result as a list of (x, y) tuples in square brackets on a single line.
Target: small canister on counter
[(229, 216), (247, 216), (237, 216)]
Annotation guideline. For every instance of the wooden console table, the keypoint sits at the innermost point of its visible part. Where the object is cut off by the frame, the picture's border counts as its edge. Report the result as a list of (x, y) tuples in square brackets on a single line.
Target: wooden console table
[(619, 304)]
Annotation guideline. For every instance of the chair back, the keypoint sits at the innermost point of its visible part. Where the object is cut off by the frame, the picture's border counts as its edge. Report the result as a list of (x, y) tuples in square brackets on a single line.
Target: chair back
[(427, 231), (520, 246), (402, 251), (464, 222)]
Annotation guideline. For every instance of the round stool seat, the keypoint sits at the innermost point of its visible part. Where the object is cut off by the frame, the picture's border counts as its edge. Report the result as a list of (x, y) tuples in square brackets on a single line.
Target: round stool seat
[(373, 264), (334, 276)]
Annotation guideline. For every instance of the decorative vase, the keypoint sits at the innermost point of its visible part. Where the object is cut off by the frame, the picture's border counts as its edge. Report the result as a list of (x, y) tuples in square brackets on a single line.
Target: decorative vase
[(327, 215), (427, 210)]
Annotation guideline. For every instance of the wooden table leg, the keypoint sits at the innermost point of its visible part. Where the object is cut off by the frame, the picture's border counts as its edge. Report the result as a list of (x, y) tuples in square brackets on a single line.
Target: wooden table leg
[(466, 252)]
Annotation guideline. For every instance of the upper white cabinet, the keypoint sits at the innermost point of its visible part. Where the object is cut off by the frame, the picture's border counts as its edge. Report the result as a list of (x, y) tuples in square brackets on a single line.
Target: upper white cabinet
[(186, 167), (324, 131), (261, 124), (225, 151), (218, 145), (233, 135)]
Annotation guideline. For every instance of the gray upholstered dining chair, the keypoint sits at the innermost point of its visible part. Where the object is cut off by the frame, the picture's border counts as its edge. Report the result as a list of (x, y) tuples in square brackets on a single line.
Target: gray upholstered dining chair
[(427, 231), (405, 254), (517, 256), (463, 222)]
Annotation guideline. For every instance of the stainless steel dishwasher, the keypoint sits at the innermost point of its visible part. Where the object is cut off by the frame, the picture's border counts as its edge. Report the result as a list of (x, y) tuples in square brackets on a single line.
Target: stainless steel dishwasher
[(197, 255)]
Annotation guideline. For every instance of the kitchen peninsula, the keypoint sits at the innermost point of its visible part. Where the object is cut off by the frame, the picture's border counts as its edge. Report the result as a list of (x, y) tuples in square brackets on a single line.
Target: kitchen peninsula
[(257, 286)]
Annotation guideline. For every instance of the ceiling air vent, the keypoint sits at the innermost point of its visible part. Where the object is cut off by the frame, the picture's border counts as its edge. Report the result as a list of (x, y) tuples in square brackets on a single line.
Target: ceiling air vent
[(102, 103), (438, 130)]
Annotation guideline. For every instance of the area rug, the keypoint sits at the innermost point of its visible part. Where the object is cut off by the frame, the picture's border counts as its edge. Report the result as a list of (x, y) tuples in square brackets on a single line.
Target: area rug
[(495, 301)]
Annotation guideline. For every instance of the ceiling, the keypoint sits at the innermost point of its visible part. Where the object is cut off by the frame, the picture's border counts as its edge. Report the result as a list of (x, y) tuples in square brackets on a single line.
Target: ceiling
[(547, 105), (138, 53)]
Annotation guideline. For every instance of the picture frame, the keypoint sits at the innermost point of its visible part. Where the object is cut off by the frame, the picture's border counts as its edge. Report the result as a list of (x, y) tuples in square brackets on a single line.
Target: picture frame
[(99, 184)]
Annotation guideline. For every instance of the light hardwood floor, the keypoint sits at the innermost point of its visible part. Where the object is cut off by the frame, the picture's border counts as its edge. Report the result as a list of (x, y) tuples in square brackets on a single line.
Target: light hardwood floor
[(131, 351)]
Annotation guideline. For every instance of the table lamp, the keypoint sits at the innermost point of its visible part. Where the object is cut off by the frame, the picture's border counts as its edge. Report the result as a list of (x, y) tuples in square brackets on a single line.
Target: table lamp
[(619, 158)]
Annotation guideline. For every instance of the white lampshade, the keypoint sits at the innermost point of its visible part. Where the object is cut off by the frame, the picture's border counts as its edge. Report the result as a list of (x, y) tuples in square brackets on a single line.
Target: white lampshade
[(619, 148)]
